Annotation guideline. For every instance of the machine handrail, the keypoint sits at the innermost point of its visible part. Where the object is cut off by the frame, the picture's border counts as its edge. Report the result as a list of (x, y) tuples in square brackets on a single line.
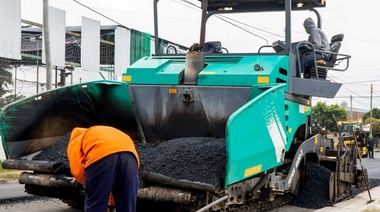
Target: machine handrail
[(342, 57), (306, 44)]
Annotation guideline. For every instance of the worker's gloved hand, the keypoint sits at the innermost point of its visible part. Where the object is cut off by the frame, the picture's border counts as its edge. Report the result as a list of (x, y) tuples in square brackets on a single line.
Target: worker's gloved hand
[(111, 204), (194, 48)]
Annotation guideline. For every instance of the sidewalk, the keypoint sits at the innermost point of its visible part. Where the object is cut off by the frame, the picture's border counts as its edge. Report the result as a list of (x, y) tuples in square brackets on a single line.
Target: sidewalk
[(358, 203)]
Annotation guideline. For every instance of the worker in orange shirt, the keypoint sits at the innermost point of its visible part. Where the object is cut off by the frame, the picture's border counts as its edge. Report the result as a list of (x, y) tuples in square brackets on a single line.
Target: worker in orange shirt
[(104, 160)]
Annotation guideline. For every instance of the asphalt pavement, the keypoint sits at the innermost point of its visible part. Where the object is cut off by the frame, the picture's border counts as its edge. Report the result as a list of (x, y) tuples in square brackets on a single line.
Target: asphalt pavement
[(12, 190)]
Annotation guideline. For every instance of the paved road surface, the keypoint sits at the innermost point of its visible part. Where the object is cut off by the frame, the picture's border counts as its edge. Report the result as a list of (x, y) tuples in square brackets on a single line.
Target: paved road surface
[(11, 190)]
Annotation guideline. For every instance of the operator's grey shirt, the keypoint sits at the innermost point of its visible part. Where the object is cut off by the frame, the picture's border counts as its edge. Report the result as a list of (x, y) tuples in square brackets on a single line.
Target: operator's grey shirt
[(316, 36)]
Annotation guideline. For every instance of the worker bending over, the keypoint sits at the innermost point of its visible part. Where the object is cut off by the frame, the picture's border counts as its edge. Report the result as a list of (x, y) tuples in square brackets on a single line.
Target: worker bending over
[(104, 160)]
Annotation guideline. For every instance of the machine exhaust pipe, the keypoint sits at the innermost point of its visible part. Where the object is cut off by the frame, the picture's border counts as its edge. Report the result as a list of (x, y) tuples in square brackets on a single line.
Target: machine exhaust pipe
[(185, 184), (38, 166), (151, 193), (47, 180), (162, 194)]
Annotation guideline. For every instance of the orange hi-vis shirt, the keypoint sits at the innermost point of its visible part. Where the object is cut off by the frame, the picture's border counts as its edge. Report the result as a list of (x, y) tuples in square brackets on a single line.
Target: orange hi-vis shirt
[(88, 145)]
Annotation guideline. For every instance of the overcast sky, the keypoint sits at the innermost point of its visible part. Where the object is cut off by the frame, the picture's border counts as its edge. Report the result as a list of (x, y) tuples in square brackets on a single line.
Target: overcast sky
[(358, 20)]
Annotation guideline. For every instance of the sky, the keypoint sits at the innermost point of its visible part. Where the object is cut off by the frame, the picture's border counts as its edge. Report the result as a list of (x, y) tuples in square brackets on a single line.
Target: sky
[(179, 22)]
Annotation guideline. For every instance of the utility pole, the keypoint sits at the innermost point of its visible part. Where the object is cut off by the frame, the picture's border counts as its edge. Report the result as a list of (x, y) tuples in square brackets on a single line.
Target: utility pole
[(370, 112), (38, 65), (351, 108), (15, 82), (47, 44)]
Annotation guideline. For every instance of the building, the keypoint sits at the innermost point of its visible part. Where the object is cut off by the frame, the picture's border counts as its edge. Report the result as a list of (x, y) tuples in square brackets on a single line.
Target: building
[(353, 113)]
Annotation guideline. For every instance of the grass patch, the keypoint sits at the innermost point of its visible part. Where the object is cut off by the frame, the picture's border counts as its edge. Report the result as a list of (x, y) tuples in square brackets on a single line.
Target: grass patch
[(372, 210), (9, 175)]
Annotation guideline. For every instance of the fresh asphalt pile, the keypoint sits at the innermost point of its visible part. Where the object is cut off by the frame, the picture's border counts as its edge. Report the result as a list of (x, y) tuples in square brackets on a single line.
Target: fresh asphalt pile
[(194, 159), (315, 192), (57, 152)]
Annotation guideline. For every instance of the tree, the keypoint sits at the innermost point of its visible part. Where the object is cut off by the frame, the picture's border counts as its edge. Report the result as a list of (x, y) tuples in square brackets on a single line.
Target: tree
[(375, 114), (5, 79), (322, 115), (375, 128)]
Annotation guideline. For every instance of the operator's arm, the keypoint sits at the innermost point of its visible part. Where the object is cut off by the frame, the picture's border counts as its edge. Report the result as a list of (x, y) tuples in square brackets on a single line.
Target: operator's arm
[(315, 39)]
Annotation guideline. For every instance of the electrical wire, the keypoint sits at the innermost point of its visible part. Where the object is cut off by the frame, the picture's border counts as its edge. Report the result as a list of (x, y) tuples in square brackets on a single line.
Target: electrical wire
[(223, 18), (256, 35), (99, 13), (248, 25)]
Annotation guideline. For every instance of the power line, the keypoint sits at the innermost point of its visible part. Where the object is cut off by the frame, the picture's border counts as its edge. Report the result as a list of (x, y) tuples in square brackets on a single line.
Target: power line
[(357, 97), (345, 88), (223, 18), (98, 13), (355, 82), (281, 36)]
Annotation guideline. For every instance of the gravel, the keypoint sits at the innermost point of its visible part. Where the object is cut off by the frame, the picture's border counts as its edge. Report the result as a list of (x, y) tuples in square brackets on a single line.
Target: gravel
[(12, 201)]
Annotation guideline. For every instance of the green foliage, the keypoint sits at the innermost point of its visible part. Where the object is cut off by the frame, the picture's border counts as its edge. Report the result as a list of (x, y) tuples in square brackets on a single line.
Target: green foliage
[(5, 79), (375, 125), (10, 99), (322, 115), (368, 120), (375, 121), (375, 114), (1, 165)]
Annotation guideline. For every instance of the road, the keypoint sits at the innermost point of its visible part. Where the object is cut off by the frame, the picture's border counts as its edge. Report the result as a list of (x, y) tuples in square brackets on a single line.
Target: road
[(13, 197), (12, 190), (373, 165)]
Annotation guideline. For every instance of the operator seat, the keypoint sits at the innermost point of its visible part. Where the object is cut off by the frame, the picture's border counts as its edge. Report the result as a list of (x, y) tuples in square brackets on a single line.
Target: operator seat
[(335, 44), (212, 47)]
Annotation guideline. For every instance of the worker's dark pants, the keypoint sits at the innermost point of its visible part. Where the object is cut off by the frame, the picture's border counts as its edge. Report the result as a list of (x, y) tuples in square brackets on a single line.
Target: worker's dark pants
[(308, 60), (370, 152), (117, 173)]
